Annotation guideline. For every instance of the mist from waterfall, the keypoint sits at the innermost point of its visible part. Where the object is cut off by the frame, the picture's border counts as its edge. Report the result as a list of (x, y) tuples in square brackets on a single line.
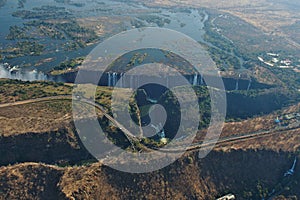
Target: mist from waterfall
[(14, 73)]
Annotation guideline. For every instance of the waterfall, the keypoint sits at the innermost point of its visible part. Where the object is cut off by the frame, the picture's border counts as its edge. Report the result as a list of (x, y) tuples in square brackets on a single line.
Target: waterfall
[(201, 80), (195, 82), (124, 84), (131, 81), (122, 80), (3, 72), (249, 85), (7, 71), (237, 84), (108, 79), (114, 79)]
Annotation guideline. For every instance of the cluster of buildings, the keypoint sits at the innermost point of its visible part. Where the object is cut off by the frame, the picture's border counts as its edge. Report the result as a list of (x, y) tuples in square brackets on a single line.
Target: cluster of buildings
[(275, 60)]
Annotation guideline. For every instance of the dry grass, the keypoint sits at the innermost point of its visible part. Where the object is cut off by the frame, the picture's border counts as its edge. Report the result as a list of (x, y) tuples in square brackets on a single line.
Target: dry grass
[(101, 25), (48, 115), (36, 118), (39, 180), (206, 178), (87, 181), (287, 141), (13, 90), (256, 124), (264, 75)]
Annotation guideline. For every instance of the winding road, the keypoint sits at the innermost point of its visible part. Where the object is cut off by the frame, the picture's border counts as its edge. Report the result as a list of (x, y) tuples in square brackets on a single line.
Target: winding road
[(132, 138), (126, 132)]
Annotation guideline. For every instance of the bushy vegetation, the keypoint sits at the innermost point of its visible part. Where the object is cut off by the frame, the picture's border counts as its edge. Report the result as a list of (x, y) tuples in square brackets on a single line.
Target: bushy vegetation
[(289, 77), (52, 22), (15, 90), (137, 23), (77, 33), (23, 48), (223, 60), (16, 32), (67, 66), (159, 21), (44, 12)]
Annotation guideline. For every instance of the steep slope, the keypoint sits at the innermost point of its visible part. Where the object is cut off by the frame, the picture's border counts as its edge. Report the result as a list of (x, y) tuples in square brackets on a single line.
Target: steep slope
[(248, 174)]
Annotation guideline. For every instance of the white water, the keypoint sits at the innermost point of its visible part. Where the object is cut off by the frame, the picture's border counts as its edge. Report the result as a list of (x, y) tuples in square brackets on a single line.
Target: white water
[(237, 84), (33, 75), (249, 85), (195, 81)]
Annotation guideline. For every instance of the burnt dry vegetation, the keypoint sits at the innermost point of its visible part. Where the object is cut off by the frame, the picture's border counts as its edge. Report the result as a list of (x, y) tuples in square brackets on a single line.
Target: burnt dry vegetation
[(61, 147), (249, 169), (218, 174), (40, 181), (71, 172)]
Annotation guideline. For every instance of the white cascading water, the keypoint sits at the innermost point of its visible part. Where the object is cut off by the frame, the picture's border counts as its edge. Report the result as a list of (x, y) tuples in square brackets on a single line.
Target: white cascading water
[(195, 81), (114, 79), (4, 73), (201, 80), (7, 71), (131, 82), (249, 85), (237, 83), (108, 79), (122, 80)]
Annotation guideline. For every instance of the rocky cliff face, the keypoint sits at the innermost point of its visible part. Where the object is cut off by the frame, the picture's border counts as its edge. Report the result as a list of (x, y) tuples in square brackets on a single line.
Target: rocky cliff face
[(250, 169), (61, 147), (248, 174)]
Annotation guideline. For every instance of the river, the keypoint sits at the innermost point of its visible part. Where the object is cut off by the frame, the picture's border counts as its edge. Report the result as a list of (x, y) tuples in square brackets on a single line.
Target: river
[(188, 21)]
